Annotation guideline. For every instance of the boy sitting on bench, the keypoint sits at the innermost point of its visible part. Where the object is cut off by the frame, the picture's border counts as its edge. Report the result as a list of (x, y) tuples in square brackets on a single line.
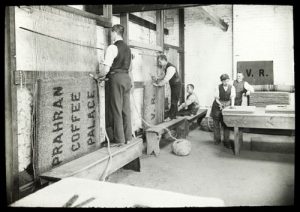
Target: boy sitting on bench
[(191, 104)]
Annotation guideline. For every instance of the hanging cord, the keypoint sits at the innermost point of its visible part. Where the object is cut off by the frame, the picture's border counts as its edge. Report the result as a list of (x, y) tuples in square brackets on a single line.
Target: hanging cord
[(100, 82), (104, 175), (33, 129)]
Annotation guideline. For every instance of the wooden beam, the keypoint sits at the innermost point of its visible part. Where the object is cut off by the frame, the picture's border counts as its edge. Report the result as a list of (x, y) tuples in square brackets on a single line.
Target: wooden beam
[(107, 11), (159, 28), (181, 54), (129, 8), (144, 23), (135, 44), (160, 93), (124, 22), (217, 20), (11, 124), (95, 9), (169, 46), (101, 21)]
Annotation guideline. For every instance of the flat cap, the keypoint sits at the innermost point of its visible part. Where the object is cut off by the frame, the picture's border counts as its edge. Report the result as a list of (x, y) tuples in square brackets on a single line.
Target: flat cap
[(224, 77)]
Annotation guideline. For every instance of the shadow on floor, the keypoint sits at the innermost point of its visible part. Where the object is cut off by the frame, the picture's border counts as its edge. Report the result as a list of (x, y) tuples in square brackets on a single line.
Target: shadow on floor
[(246, 154)]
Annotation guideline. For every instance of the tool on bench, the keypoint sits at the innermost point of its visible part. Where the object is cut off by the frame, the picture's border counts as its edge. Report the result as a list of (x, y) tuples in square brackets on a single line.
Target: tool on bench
[(73, 199)]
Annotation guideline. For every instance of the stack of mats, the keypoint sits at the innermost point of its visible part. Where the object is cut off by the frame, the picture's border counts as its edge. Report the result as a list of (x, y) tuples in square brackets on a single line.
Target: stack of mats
[(282, 109), (238, 110), (262, 99), (281, 88)]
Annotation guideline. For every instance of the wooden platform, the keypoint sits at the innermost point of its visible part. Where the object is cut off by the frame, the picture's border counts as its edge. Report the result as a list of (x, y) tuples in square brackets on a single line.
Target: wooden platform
[(153, 134), (92, 165), (269, 143)]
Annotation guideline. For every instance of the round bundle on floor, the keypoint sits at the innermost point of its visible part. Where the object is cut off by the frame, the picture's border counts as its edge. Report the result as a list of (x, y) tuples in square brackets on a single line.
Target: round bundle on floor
[(207, 124), (181, 147)]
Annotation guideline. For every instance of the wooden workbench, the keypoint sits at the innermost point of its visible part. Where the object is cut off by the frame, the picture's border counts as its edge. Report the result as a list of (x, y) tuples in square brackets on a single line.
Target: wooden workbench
[(257, 119), (110, 195)]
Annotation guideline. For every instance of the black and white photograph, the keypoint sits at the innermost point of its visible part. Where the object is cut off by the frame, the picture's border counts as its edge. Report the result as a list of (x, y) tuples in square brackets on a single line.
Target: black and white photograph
[(149, 105)]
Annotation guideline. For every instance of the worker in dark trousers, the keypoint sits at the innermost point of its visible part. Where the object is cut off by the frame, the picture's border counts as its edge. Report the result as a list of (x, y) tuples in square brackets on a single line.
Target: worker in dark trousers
[(171, 76), (224, 96), (117, 68), (241, 88), (191, 104)]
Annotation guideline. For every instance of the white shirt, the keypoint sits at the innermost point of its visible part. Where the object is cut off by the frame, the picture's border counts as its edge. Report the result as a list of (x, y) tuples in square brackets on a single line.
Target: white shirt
[(191, 99), (169, 74), (248, 87), (110, 54), (232, 95)]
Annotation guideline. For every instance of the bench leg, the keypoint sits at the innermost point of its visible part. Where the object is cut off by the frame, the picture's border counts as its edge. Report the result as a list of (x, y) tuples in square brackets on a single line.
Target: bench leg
[(236, 141), (183, 129), (153, 143), (241, 137), (187, 128), (134, 165)]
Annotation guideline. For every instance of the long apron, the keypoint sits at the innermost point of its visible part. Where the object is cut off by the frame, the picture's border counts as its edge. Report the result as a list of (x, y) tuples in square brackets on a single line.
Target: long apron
[(216, 112)]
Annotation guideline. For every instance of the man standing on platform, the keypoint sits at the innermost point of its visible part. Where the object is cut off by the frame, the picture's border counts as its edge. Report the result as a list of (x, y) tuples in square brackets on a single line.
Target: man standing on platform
[(117, 68), (242, 88), (171, 76), (224, 96)]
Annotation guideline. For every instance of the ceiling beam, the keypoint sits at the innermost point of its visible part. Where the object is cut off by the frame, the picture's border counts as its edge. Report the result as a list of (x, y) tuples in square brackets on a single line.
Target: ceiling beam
[(130, 8), (217, 20), (144, 23)]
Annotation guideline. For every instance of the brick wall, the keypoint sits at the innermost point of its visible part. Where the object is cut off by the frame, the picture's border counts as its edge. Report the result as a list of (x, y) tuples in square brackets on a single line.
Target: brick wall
[(208, 50)]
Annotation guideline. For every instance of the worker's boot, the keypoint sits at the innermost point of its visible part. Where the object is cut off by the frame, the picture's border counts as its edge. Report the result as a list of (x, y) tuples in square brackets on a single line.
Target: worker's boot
[(227, 144), (217, 142)]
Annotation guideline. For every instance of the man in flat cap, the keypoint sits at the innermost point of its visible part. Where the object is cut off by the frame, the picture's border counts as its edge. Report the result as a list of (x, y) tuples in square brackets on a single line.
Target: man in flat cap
[(224, 96)]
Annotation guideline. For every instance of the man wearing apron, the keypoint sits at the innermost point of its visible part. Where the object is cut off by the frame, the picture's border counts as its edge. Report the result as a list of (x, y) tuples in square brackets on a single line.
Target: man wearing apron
[(171, 76), (241, 87), (224, 96), (117, 68)]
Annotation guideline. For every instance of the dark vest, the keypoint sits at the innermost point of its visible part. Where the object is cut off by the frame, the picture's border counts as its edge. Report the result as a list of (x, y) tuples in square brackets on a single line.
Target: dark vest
[(194, 106), (239, 89), (224, 95), (224, 98), (175, 78), (123, 59)]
